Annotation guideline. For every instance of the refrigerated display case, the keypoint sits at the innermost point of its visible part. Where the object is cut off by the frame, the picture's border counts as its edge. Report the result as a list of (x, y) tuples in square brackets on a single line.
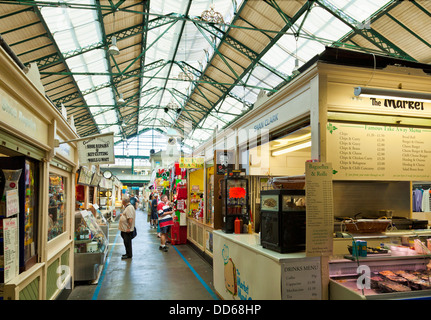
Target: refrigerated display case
[(235, 202), (27, 186), (283, 214), (399, 268)]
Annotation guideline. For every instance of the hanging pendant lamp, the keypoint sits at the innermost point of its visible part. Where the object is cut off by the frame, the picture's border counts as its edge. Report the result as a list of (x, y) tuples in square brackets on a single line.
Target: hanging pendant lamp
[(113, 49)]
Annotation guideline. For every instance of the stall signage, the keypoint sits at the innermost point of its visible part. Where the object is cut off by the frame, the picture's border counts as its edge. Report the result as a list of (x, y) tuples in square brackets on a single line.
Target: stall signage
[(84, 176), (398, 104), (301, 279), (266, 122), (12, 202), (97, 150), (379, 152), (191, 162), (10, 248), (320, 211), (17, 114)]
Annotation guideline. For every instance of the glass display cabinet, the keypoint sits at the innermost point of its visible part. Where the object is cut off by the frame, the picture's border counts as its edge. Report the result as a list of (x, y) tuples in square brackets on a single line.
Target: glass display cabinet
[(389, 265), (283, 220), (235, 202), (91, 247)]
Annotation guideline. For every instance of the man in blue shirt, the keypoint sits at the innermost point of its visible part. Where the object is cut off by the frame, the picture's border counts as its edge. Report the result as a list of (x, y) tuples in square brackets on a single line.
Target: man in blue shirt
[(133, 200)]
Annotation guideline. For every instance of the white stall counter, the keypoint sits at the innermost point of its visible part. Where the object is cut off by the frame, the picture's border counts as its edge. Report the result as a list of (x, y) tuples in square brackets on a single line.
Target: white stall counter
[(244, 270)]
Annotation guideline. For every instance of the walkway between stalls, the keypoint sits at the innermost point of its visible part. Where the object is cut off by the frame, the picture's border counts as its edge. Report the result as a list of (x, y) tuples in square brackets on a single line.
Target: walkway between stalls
[(179, 274)]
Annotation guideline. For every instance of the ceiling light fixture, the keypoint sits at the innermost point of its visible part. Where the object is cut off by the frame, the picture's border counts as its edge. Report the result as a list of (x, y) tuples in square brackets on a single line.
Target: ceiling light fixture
[(185, 75), (113, 49), (392, 94), (212, 16), (244, 105), (295, 70), (295, 147)]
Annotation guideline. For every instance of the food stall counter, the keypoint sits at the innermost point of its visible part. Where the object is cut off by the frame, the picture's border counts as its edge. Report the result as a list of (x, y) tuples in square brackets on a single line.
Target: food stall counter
[(244, 270)]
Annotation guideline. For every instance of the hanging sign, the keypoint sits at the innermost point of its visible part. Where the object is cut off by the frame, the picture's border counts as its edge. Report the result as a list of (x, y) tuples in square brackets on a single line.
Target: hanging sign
[(97, 150), (192, 162)]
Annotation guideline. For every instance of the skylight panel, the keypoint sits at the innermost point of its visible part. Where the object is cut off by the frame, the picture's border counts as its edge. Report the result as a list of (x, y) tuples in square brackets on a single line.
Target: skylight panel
[(74, 29), (359, 10), (323, 24)]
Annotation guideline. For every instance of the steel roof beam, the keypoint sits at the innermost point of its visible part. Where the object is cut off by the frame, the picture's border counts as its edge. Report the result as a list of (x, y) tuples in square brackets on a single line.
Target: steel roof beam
[(176, 49), (362, 29), (146, 5), (111, 79), (78, 94), (257, 56), (53, 59)]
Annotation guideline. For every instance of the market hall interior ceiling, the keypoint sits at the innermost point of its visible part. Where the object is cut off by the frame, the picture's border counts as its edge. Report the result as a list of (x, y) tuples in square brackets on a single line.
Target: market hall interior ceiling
[(128, 66)]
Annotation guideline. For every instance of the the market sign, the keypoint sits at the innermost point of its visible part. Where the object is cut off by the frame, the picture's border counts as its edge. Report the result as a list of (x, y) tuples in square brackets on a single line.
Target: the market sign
[(397, 104), (192, 162), (97, 149)]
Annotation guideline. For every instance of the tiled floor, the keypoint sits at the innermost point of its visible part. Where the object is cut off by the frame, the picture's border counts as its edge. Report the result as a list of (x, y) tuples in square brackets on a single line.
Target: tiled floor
[(179, 274)]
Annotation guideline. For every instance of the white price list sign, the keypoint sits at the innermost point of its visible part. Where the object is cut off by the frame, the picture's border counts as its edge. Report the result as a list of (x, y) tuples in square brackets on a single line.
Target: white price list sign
[(10, 243), (301, 279), (320, 211)]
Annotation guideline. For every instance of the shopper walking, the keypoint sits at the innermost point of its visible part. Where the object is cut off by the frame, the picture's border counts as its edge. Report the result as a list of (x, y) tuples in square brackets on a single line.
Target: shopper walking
[(134, 201), (127, 226), (154, 216), (165, 212)]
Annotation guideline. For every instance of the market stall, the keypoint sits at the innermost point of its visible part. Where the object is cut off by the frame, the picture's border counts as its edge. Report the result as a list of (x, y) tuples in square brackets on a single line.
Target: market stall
[(200, 208), (350, 148), (39, 233)]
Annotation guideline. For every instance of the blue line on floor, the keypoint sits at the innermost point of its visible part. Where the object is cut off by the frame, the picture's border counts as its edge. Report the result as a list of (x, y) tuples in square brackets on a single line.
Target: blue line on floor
[(197, 275), (102, 276)]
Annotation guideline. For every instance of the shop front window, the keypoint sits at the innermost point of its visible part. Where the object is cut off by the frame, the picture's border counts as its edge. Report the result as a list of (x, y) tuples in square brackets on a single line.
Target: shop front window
[(57, 206)]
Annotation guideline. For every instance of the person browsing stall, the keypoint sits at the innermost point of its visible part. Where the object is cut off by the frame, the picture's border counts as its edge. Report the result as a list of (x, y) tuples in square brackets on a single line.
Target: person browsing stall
[(154, 215), (165, 212), (126, 226)]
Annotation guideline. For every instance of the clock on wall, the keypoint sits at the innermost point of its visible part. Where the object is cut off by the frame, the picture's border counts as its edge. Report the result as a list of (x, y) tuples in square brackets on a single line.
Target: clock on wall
[(107, 174)]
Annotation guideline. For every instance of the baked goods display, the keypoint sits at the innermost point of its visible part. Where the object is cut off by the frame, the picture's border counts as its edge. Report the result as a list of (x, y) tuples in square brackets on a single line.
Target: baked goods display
[(400, 281)]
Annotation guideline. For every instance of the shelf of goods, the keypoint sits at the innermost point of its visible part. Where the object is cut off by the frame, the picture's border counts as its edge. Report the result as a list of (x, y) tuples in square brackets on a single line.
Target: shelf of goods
[(384, 266)]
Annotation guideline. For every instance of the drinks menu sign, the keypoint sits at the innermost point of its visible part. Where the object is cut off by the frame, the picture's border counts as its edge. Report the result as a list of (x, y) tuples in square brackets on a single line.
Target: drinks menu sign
[(378, 152)]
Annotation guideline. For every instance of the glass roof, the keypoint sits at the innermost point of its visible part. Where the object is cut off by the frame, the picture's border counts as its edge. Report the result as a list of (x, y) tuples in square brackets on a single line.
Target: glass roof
[(183, 52)]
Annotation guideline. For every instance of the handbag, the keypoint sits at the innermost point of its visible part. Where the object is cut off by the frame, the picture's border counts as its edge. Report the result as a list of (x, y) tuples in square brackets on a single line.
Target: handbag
[(134, 233)]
